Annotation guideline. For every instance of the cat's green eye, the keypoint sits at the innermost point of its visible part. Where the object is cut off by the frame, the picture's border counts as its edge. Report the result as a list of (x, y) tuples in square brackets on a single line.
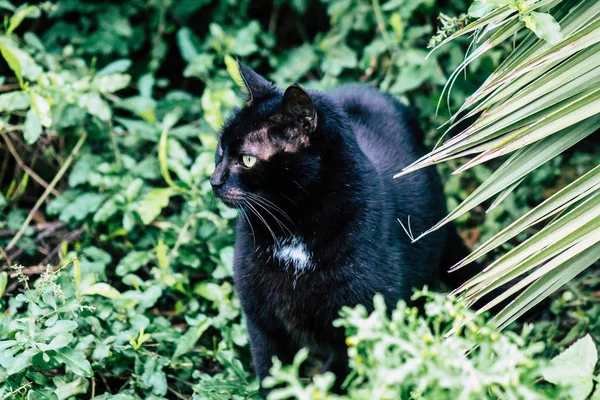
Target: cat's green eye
[(248, 160)]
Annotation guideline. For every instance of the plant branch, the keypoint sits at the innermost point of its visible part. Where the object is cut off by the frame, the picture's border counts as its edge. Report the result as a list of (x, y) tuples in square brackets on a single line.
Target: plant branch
[(24, 167), (43, 197)]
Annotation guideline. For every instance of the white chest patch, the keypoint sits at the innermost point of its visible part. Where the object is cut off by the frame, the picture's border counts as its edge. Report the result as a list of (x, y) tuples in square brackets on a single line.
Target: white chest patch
[(294, 254)]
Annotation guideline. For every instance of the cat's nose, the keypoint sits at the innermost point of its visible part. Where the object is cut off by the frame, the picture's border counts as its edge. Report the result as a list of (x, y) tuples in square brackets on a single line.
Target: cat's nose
[(217, 178), (216, 181)]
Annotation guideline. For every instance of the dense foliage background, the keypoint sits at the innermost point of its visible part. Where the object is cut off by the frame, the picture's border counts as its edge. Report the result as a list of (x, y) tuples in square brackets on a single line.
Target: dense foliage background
[(109, 112)]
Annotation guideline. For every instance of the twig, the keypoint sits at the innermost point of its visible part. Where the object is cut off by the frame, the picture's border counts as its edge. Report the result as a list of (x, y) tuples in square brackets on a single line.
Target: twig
[(72, 236), (177, 394), (47, 227), (5, 256), (24, 167), (9, 87), (41, 200), (4, 167)]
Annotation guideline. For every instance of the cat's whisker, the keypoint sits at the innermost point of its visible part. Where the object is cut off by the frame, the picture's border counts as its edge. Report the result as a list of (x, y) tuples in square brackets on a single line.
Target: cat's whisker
[(266, 204), (299, 185), (243, 212), (277, 220), (274, 206), (259, 216)]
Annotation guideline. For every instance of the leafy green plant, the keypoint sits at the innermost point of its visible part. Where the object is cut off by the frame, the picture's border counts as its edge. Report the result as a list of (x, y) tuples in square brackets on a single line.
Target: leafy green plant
[(542, 100), (447, 352)]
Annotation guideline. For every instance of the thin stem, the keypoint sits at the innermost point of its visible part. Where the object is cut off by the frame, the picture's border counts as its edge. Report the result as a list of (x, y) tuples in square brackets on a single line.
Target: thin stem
[(50, 187), (24, 167)]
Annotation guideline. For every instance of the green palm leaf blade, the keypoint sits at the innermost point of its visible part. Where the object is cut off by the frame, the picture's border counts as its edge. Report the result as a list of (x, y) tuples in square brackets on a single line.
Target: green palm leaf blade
[(529, 113), (503, 195), (583, 110), (586, 185), (552, 233), (545, 286), (534, 256), (576, 16), (571, 77), (516, 167), (566, 252), (547, 59)]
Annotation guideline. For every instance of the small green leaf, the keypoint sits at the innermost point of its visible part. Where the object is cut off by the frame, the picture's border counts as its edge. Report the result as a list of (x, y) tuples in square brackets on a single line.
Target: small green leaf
[(60, 326), (13, 62), (479, 9), (19, 16), (109, 83), (132, 262), (102, 289), (153, 203), (161, 256), (118, 66), (13, 101), (33, 127), (42, 108), (75, 361), (189, 339), (575, 368), (69, 390), (210, 291), (544, 26), (58, 342), (21, 361), (3, 278)]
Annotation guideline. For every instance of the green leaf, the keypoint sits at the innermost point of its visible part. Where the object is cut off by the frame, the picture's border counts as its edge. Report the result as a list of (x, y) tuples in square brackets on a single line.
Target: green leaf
[(337, 58), (95, 105), (544, 26), (59, 341), (191, 337), (479, 9), (7, 5), (102, 289), (574, 368), (70, 390), (210, 291), (21, 361), (75, 361), (132, 262), (32, 128), (59, 327), (42, 108), (110, 82), (185, 38), (13, 62), (3, 279), (118, 66), (13, 101), (153, 203), (82, 206), (19, 16)]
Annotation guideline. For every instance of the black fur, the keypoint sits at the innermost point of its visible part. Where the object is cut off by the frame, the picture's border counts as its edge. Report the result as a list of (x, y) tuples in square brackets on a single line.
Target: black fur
[(331, 174)]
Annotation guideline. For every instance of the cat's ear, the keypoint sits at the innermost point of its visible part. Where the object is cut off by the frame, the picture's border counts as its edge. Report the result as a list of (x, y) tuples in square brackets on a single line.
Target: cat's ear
[(254, 85), (298, 104)]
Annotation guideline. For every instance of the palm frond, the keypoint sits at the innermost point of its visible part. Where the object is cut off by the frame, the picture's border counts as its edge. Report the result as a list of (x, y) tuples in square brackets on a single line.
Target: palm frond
[(542, 99)]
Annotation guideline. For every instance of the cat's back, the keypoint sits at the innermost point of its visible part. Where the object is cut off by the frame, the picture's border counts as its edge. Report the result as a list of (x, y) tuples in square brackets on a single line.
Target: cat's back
[(384, 128)]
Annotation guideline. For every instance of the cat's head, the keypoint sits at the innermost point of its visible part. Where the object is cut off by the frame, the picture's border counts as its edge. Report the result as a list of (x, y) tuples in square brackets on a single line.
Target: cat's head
[(267, 149)]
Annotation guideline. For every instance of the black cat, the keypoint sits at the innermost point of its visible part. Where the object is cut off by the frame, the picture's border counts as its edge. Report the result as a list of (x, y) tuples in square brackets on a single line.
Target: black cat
[(312, 176)]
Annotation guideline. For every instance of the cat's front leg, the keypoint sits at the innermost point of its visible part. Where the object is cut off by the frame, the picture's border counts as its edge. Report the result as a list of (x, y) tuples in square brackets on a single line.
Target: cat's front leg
[(338, 364), (264, 345)]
